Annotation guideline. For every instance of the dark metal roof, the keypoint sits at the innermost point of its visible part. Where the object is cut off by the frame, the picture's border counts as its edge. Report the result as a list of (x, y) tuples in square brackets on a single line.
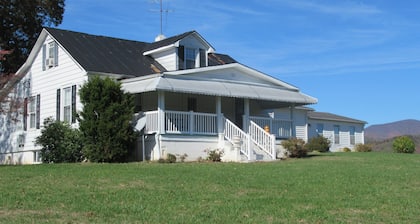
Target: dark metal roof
[(103, 54), (332, 117), (106, 54)]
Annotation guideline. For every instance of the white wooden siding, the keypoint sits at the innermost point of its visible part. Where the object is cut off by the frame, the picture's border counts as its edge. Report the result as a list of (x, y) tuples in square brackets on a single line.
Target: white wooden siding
[(168, 59), (344, 133), (46, 83)]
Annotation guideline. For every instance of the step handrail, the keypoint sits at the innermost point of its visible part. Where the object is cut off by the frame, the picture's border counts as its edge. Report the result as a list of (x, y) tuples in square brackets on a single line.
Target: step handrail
[(232, 131), (263, 139)]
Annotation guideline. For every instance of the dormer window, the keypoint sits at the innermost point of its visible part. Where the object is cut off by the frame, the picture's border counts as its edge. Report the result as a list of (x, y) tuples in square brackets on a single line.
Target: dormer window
[(189, 58)]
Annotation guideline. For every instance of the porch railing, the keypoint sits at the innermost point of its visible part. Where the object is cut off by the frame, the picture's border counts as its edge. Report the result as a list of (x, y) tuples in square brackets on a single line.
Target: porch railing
[(179, 122), (151, 122), (232, 131), (264, 140), (278, 127)]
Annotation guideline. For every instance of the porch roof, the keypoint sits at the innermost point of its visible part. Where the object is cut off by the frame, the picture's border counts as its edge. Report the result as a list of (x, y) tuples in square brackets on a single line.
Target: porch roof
[(224, 88)]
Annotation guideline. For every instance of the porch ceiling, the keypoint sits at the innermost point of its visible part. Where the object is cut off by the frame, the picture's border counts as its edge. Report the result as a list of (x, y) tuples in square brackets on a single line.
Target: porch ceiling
[(219, 88)]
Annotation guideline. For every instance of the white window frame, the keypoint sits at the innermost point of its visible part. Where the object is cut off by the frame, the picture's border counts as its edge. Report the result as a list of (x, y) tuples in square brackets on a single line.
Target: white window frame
[(32, 112), (37, 157), (66, 105)]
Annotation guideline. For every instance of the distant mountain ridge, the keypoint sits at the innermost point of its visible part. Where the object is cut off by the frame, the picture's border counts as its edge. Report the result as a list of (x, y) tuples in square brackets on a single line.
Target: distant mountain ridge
[(390, 130)]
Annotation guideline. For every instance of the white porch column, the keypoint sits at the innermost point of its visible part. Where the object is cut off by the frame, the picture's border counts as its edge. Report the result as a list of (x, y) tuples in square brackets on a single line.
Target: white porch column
[(245, 120), (161, 112), (292, 118), (220, 129)]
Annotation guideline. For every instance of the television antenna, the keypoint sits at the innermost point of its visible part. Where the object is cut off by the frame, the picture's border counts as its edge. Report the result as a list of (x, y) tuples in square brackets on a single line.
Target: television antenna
[(161, 11)]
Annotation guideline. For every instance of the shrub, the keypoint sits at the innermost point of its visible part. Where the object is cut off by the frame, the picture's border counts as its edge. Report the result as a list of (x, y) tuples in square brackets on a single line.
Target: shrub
[(60, 142), (182, 157), (404, 144), (105, 121), (363, 148), (319, 143), (214, 155), (170, 158), (346, 149), (295, 147)]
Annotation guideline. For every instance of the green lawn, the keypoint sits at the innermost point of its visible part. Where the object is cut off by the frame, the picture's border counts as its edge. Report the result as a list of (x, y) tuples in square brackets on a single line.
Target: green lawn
[(327, 188)]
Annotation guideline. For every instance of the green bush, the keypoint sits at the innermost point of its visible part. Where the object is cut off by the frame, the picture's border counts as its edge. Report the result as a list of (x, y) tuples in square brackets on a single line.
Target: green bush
[(214, 155), (363, 148), (319, 143), (404, 144), (295, 147), (346, 149), (105, 121), (60, 142), (170, 158)]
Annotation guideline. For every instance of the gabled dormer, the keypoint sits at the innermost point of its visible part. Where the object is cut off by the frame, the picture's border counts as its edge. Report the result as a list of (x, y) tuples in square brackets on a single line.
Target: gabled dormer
[(185, 51)]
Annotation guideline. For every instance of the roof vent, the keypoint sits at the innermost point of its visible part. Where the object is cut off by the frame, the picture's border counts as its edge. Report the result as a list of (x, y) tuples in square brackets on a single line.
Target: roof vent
[(160, 37)]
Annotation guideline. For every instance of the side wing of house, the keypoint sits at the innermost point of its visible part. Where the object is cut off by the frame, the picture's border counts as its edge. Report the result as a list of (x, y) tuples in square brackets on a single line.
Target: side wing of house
[(341, 131), (52, 80)]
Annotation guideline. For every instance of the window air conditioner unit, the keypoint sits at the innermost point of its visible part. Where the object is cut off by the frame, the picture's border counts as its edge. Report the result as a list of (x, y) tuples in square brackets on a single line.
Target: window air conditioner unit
[(49, 62)]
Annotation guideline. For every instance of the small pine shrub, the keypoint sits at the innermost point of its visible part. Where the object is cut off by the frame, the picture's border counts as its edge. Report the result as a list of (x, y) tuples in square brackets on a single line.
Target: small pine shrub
[(403, 144), (214, 155), (363, 148), (295, 147), (170, 158), (319, 143), (346, 149)]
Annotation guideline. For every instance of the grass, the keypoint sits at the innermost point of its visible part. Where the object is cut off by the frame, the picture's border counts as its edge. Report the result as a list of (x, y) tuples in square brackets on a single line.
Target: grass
[(328, 188)]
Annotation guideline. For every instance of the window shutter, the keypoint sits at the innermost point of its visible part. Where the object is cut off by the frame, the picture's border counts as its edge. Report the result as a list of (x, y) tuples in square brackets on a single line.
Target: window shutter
[(25, 114), (180, 57), (73, 104), (38, 111), (58, 105), (44, 57), (202, 58), (55, 54)]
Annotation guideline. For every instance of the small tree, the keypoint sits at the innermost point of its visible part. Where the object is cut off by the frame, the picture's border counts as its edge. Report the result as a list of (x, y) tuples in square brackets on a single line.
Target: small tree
[(105, 120), (295, 147), (403, 144), (319, 143), (60, 142)]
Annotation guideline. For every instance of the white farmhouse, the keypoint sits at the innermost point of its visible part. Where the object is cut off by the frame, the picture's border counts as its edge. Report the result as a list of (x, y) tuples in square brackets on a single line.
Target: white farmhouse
[(188, 98)]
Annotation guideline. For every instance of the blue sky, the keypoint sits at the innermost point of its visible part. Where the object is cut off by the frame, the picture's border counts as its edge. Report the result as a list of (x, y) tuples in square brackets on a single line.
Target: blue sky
[(361, 59)]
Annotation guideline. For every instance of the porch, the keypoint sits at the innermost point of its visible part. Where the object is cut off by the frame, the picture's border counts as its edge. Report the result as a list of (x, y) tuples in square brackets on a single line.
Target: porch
[(256, 142)]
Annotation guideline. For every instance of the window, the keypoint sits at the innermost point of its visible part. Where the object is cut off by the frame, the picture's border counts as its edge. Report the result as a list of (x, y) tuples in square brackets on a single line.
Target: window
[(67, 104), (68, 98), (37, 157), (352, 137), (320, 129), (49, 55), (32, 111), (336, 134), (190, 58)]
